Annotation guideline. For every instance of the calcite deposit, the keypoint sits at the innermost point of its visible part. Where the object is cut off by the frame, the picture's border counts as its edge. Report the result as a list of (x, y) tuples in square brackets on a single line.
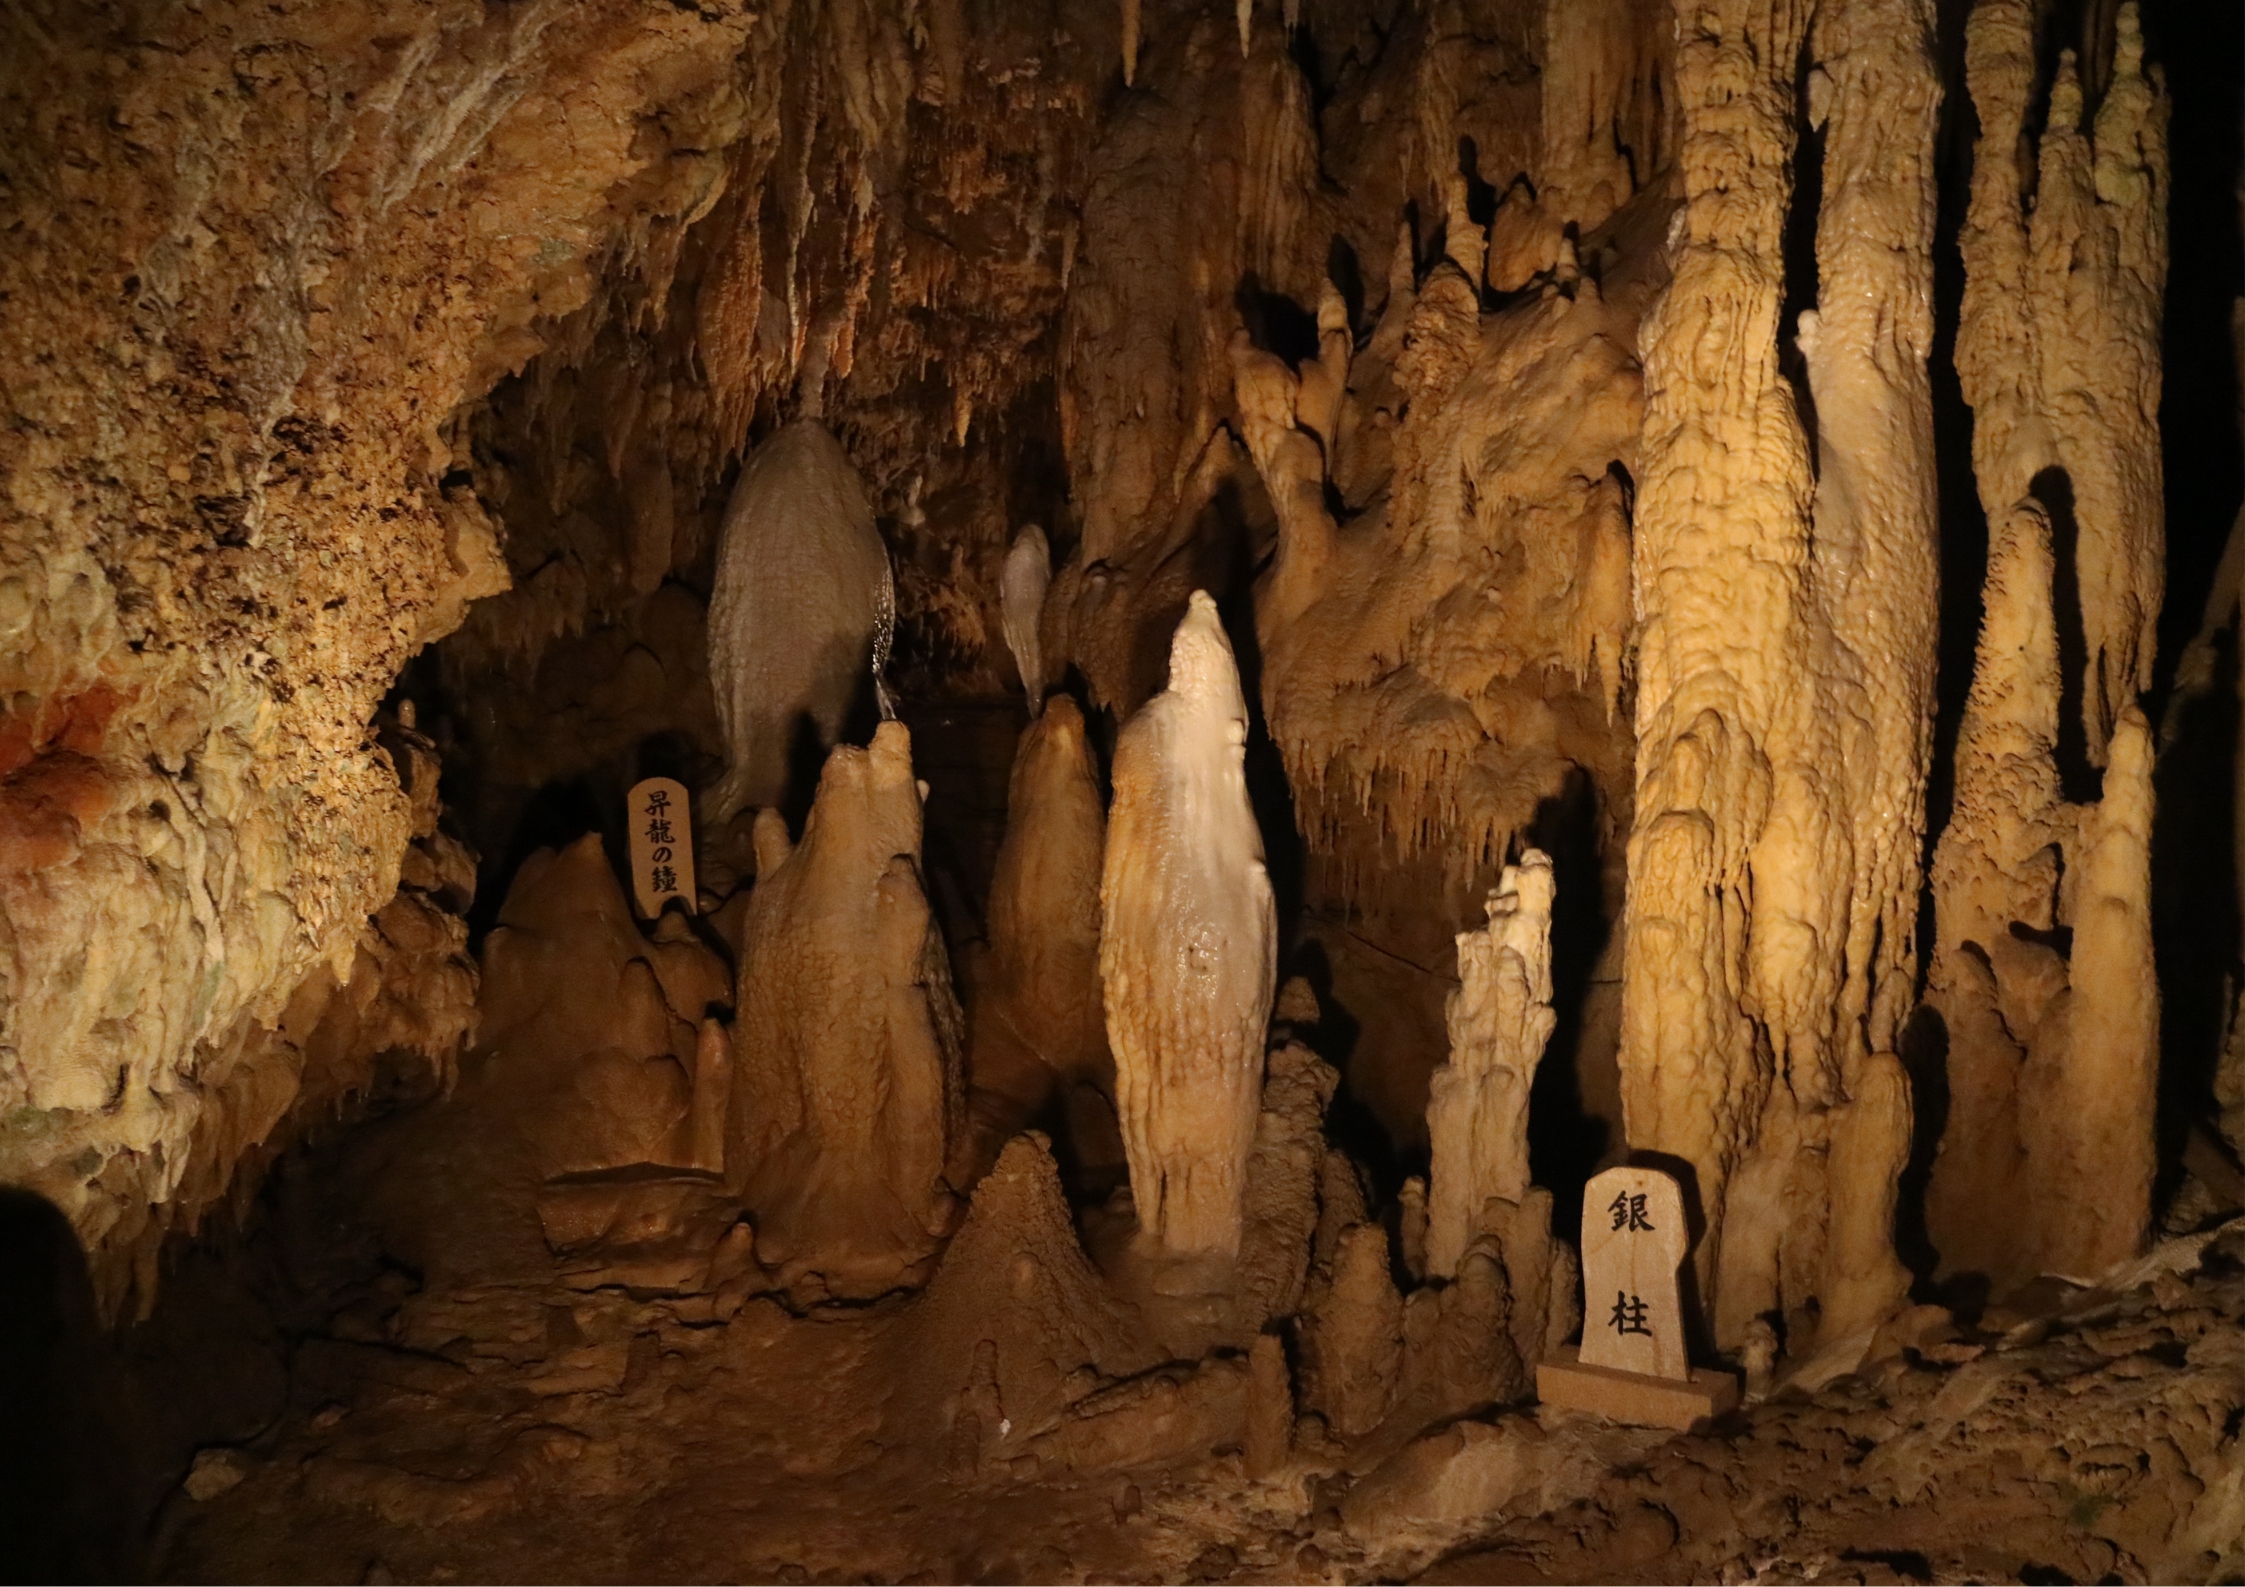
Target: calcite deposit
[(1188, 948), (1321, 662)]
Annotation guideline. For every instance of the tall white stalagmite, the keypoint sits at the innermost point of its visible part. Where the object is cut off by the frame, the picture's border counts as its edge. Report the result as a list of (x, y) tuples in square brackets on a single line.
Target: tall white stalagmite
[(1021, 603), (802, 576), (1500, 1018), (1188, 946)]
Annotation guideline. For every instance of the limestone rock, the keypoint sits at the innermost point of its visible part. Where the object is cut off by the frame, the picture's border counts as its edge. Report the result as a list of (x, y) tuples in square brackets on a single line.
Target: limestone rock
[(1283, 1204), (1016, 1327), (1352, 1337)]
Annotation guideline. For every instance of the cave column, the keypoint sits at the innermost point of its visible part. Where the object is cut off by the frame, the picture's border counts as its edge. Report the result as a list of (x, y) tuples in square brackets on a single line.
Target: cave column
[(2042, 973), (1782, 706)]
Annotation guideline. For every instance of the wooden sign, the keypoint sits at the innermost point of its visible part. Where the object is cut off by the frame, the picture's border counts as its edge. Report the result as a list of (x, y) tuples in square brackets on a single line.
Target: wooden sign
[(662, 846), (1634, 1365), (1633, 1243)]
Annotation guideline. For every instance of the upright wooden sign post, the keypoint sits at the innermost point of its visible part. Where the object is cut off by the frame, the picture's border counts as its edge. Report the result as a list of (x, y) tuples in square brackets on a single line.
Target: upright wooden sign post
[(662, 846), (1633, 1365)]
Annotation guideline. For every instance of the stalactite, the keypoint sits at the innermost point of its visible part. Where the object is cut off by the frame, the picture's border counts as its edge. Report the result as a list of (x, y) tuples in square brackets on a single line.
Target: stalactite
[(1028, 574), (1188, 947), (801, 574)]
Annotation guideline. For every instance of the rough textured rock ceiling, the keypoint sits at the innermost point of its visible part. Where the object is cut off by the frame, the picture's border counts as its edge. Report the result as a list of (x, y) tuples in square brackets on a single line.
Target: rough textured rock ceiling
[(1711, 524)]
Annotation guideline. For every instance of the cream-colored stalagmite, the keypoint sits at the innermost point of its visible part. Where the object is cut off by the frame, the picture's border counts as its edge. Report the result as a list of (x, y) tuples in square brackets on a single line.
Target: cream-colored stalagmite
[(1500, 1018), (1188, 947), (802, 576), (1785, 659), (2045, 1162), (1021, 603), (847, 1072)]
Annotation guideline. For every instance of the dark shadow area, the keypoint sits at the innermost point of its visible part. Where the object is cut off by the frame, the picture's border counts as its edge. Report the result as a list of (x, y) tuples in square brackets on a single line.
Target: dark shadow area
[(1925, 1058), (1565, 1140), (2079, 778), (1964, 526), (63, 1502), (2195, 924), (1275, 322), (2200, 47), (1347, 276), (1799, 248), (552, 818), (1480, 197)]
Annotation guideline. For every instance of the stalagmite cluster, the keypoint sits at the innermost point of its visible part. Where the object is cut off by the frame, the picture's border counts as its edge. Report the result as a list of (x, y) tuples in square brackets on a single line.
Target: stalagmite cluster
[(1477, 1107)]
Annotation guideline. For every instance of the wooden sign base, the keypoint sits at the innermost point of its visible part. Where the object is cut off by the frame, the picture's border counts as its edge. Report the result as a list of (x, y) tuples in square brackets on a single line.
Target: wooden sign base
[(1634, 1397)]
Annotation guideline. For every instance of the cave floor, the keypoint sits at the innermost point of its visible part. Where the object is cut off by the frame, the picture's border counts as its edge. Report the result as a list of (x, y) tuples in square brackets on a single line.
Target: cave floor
[(513, 1434)]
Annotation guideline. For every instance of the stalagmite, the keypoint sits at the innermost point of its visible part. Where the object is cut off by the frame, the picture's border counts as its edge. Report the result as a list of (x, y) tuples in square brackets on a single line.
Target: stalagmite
[(846, 1078), (1500, 1018), (1352, 1337), (801, 576), (1028, 573), (1782, 722), (1864, 1282), (2090, 1090), (1188, 947), (1038, 1018), (1997, 868)]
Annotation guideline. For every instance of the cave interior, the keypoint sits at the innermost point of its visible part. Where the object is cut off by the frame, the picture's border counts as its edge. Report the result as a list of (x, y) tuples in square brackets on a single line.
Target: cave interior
[(905, 790)]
